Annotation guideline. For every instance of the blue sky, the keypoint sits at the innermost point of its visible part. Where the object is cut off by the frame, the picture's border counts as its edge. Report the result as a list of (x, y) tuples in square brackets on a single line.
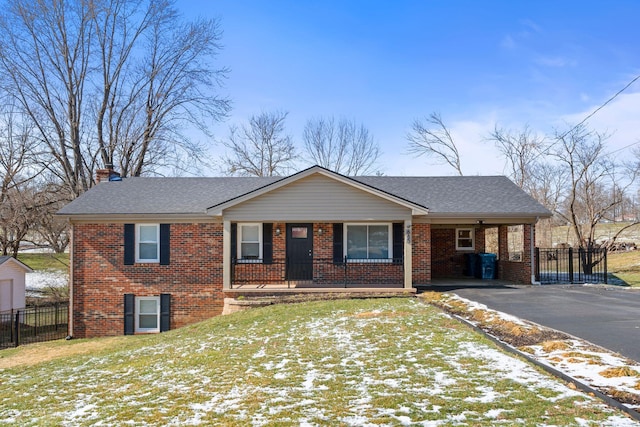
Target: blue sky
[(477, 63)]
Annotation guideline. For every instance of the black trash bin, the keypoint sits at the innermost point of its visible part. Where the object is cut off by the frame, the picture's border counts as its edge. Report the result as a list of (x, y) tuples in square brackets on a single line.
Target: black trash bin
[(486, 268), (470, 264)]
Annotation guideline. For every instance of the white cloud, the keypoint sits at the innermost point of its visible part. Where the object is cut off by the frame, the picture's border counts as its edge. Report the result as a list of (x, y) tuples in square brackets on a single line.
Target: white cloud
[(555, 61), (508, 43), (477, 156), (619, 119), (531, 27)]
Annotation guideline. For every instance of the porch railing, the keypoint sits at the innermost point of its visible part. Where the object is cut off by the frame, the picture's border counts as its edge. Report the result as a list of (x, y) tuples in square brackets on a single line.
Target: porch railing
[(324, 272), (560, 265)]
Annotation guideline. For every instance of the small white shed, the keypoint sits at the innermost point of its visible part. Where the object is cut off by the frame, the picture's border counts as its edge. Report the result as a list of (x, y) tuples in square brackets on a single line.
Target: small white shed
[(12, 283)]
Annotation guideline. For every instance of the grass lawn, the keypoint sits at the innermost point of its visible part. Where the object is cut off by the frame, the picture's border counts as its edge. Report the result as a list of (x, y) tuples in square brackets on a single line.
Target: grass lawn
[(46, 261), (346, 362), (625, 266)]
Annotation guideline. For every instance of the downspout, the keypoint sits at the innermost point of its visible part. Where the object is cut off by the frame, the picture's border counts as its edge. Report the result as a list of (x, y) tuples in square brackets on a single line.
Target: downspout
[(532, 244), (70, 314)]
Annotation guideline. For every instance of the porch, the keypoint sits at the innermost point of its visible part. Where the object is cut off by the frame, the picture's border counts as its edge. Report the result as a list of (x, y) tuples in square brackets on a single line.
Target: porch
[(317, 274)]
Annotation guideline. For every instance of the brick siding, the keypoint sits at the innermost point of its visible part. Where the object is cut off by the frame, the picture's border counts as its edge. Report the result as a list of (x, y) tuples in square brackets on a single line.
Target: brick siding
[(100, 278), (421, 235), (515, 271), (194, 275)]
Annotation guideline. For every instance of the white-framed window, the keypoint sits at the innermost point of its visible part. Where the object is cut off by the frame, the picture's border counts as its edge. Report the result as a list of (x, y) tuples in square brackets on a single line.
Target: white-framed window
[(147, 242), (465, 239), (147, 314), (249, 241), (368, 241)]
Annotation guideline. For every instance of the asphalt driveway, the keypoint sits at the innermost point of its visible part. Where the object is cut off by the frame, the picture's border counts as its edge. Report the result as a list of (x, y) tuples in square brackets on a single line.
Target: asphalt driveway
[(606, 316)]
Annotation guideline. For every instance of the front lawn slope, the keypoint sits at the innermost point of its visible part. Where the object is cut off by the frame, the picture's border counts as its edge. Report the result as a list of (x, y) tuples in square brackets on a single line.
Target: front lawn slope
[(347, 362)]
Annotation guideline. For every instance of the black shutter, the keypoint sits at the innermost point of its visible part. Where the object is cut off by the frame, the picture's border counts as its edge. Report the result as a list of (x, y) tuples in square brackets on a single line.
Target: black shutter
[(398, 243), (129, 244), (338, 253), (267, 243), (165, 312), (165, 243), (129, 313), (234, 240)]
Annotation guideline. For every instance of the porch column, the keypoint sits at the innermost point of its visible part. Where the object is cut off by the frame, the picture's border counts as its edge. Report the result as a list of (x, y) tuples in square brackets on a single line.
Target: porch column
[(503, 243), (226, 254), (528, 251), (72, 242), (408, 268)]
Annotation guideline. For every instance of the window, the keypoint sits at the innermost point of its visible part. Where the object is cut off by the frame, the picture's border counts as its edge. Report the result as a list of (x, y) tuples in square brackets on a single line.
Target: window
[(147, 243), (147, 314), (464, 239), (368, 241), (299, 232), (250, 241)]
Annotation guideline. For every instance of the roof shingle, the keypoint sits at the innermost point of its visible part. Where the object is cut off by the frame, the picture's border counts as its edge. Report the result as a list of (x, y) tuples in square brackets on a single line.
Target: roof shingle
[(489, 195)]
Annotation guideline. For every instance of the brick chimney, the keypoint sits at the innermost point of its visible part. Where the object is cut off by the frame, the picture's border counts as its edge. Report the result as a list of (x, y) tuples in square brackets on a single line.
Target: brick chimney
[(106, 174)]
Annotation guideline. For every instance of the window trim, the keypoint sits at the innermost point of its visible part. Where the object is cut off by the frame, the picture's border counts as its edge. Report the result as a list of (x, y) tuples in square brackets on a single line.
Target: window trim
[(239, 241), (137, 313), (472, 236), (345, 245), (155, 260)]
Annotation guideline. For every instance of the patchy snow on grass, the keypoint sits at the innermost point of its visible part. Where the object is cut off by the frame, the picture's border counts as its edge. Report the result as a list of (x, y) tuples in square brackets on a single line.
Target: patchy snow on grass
[(396, 365), (474, 305), (38, 280), (581, 360), (587, 363)]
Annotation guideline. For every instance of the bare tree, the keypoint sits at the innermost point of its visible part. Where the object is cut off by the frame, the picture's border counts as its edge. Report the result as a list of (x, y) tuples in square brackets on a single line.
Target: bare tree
[(17, 151), (49, 231), (429, 136), (521, 151), (109, 81), (595, 187), (261, 147), (172, 86), (343, 146), (17, 171)]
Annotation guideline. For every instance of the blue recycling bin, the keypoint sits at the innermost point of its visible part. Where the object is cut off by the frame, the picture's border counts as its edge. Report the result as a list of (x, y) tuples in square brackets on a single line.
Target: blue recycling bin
[(486, 266)]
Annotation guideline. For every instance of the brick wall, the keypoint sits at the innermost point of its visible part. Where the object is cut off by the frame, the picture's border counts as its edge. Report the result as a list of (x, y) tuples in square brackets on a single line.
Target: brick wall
[(515, 271), (421, 238), (100, 279), (447, 261)]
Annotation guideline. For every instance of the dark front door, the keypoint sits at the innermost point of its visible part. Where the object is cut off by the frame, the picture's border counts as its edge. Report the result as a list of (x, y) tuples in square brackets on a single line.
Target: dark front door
[(299, 251)]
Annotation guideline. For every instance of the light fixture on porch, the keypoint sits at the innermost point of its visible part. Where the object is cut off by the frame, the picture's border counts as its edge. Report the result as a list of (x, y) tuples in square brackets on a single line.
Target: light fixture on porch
[(278, 231), (480, 222), (320, 231)]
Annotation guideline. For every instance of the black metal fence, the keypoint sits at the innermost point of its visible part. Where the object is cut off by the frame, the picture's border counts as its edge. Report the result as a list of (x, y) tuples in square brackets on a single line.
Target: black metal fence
[(569, 265), (317, 272), (33, 324)]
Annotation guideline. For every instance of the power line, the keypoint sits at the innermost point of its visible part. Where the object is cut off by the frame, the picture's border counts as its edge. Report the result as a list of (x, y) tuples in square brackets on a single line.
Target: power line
[(599, 108)]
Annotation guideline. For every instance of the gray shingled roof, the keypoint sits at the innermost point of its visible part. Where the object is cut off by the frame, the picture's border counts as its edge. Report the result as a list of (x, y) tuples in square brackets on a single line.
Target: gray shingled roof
[(441, 195), (161, 195), (460, 194)]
